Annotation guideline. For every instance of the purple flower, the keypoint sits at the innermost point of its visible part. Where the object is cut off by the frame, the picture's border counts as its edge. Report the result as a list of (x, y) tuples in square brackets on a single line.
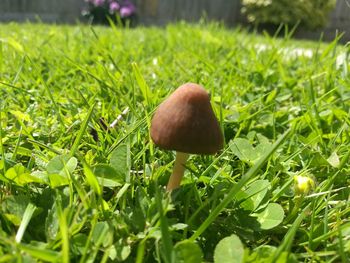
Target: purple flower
[(127, 10), (99, 2), (113, 7)]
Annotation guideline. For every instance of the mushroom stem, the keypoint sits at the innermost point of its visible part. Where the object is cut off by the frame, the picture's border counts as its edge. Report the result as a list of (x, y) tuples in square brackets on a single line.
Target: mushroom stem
[(178, 171)]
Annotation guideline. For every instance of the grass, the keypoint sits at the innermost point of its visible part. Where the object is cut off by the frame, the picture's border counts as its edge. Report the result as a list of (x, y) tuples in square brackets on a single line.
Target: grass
[(74, 190)]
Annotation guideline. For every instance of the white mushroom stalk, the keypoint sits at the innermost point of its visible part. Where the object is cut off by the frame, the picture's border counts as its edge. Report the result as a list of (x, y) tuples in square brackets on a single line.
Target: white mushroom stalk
[(178, 171)]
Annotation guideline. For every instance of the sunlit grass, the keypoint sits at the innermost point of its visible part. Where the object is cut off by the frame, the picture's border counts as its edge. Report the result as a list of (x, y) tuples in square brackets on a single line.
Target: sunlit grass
[(72, 188)]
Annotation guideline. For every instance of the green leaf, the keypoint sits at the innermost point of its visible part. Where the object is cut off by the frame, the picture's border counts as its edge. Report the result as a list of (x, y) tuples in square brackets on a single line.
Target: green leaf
[(253, 195), (58, 164), (14, 207), (100, 234), (79, 242), (21, 176), (51, 223), (58, 167), (40, 176), (237, 187), (334, 160), (121, 250), (245, 151), (57, 180), (119, 160), (229, 249), (14, 219), (107, 176), (270, 217), (188, 252), (262, 254)]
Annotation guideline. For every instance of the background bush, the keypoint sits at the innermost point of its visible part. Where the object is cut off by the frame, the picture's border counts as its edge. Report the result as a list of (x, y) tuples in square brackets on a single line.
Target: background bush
[(310, 13)]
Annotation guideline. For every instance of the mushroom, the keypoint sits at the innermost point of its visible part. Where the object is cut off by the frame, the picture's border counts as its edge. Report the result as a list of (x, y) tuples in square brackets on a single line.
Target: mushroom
[(185, 122)]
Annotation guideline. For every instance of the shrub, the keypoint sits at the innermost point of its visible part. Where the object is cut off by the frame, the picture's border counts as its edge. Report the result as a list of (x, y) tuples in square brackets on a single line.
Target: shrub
[(310, 13), (100, 10)]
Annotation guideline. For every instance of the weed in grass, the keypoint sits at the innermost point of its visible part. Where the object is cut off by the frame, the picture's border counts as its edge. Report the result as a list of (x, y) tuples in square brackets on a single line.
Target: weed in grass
[(73, 190)]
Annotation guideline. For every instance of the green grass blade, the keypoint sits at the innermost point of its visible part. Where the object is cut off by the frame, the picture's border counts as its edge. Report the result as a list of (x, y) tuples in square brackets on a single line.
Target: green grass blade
[(1, 55), (81, 131), (166, 237), (52, 98), (145, 90), (231, 194), (140, 251), (62, 219), (39, 253), (14, 155), (28, 213), (37, 144), (289, 237), (2, 150), (92, 180), (259, 85), (131, 130), (86, 251)]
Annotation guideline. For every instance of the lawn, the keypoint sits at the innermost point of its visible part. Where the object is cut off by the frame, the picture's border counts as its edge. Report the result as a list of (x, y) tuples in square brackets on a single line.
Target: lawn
[(81, 180)]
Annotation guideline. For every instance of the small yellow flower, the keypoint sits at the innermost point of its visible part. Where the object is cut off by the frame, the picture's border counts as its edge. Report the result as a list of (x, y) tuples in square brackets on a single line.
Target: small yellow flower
[(303, 184)]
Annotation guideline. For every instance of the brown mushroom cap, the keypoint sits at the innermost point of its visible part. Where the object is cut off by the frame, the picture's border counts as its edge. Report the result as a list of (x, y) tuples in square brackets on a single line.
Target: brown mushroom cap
[(185, 122)]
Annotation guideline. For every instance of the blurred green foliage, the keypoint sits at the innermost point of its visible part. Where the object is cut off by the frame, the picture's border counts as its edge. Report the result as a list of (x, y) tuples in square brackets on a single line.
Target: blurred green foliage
[(310, 13)]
